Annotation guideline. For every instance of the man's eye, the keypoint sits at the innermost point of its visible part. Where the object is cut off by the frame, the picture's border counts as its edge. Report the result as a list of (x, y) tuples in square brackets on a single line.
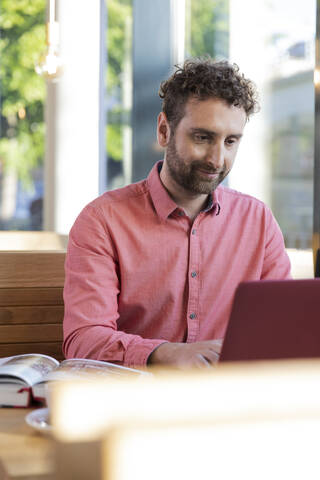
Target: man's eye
[(230, 141), (201, 138)]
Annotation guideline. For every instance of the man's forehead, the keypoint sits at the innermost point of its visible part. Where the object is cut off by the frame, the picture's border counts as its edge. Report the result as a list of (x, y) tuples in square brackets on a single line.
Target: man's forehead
[(194, 102), (202, 113)]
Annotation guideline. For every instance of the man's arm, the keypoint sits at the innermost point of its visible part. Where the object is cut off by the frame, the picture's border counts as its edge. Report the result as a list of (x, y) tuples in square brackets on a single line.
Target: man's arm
[(91, 292)]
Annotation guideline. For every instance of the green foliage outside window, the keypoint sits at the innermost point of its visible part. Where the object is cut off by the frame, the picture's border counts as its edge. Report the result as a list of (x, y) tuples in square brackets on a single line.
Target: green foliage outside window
[(22, 39), (118, 41), (207, 29), (22, 91)]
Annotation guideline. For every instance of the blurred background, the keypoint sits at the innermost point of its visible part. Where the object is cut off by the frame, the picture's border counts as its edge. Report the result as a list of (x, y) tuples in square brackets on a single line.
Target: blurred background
[(64, 142)]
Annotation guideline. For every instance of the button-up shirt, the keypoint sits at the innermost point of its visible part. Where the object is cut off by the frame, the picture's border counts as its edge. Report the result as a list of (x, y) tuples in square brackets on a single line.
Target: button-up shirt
[(139, 272)]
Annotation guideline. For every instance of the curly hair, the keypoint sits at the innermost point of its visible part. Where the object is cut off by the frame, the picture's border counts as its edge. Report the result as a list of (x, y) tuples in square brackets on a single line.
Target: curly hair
[(204, 78)]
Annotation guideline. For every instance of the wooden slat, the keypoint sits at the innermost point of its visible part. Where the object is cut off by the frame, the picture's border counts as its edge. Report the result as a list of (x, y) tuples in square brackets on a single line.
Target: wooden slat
[(34, 314), (53, 349), (31, 296), (32, 269), (31, 302), (30, 333)]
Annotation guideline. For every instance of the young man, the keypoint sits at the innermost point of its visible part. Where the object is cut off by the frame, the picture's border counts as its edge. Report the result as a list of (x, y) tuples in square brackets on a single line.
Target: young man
[(152, 268)]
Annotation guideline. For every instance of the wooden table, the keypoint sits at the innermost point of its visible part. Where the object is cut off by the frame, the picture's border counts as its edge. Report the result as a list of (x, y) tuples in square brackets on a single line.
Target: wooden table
[(25, 453)]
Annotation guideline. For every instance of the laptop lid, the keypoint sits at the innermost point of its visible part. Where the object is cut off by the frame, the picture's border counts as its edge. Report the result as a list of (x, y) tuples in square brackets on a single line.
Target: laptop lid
[(274, 319)]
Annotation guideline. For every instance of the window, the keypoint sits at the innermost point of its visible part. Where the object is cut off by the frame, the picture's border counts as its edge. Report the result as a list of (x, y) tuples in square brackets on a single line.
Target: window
[(272, 42)]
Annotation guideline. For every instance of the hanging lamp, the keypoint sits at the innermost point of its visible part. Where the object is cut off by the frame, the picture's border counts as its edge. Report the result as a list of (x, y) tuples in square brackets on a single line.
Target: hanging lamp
[(50, 64)]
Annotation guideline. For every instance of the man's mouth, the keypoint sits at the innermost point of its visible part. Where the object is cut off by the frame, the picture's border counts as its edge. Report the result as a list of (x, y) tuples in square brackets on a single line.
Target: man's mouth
[(209, 173)]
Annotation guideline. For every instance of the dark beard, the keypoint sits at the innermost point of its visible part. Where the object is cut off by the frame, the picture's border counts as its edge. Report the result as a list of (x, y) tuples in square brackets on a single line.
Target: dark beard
[(188, 176)]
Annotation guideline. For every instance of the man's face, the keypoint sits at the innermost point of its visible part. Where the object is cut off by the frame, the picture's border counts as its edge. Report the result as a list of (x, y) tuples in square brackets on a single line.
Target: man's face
[(202, 150)]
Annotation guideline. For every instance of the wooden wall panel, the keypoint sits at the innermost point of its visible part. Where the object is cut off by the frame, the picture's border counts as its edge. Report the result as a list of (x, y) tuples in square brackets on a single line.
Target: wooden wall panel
[(31, 269), (53, 349), (30, 333), (31, 302), (32, 314), (31, 296)]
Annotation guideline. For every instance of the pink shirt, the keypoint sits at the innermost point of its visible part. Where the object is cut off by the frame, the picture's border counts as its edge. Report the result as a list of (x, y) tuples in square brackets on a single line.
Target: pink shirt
[(139, 272)]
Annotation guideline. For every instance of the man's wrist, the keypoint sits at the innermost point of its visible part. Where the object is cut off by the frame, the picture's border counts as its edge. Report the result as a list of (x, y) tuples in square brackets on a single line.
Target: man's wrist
[(153, 357)]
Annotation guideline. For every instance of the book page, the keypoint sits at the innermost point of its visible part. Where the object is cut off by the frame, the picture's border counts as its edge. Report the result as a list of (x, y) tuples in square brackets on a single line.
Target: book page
[(77, 368), (4, 360), (30, 368), (14, 395)]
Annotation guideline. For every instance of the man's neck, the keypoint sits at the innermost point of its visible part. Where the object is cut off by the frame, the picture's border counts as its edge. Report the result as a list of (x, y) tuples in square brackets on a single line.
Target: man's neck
[(192, 204)]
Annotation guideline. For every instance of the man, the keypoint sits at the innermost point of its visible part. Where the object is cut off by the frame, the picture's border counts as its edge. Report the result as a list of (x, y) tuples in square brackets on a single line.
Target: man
[(152, 268)]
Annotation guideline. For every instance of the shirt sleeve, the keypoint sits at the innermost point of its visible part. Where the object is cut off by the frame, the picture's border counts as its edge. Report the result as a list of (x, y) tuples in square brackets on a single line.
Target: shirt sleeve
[(276, 264), (91, 292)]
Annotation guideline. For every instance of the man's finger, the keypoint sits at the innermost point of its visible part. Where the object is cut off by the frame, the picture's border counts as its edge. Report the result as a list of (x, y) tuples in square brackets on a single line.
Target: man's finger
[(211, 356), (202, 361)]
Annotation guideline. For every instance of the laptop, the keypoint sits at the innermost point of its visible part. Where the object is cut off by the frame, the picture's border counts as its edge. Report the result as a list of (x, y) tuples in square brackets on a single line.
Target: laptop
[(274, 319)]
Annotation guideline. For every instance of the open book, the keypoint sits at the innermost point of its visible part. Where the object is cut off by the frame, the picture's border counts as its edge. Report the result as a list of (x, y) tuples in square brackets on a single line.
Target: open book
[(23, 378)]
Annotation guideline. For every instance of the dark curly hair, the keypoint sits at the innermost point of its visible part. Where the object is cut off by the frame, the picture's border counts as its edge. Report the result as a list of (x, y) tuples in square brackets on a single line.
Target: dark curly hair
[(204, 78)]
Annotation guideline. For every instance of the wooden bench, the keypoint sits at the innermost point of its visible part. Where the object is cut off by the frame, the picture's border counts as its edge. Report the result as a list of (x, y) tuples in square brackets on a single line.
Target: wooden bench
[(31, 302)]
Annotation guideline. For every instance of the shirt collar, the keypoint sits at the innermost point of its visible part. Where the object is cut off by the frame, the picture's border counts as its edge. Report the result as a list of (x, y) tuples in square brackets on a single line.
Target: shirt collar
[(213, 204), (162, 201)]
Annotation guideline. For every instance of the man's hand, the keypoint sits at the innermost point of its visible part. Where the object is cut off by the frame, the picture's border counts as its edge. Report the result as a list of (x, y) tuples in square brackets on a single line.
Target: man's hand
[(198, 354)]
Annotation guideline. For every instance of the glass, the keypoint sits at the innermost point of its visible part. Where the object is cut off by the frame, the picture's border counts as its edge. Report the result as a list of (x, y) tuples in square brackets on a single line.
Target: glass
[(291, 118), (273, 42), (22, 134)]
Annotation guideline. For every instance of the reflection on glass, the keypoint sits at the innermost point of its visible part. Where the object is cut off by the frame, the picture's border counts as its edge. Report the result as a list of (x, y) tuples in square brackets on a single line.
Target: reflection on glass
[(119, 92), (273, 43), (22, 32), (291, 117)]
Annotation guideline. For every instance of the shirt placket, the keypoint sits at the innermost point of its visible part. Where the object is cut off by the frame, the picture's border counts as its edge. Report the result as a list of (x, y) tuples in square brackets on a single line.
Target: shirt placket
[(193, 310)]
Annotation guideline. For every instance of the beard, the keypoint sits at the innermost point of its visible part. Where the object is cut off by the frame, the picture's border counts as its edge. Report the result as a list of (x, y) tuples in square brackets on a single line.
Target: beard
[(189, 175)]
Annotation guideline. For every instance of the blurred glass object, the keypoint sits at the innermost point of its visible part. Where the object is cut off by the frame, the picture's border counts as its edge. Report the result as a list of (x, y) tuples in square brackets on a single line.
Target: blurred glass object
[(258, 420), (22, 97)]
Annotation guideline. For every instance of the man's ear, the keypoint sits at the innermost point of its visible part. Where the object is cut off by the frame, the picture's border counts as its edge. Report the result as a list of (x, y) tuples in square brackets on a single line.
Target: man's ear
[(163, 130)]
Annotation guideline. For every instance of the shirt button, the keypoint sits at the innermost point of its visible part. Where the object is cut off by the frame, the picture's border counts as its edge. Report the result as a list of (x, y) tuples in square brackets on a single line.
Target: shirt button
[(192, 316), (193, 274), (194, 231)]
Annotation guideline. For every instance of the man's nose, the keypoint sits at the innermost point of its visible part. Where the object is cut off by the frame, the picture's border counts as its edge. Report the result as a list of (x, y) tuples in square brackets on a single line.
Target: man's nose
[(216, 156)]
